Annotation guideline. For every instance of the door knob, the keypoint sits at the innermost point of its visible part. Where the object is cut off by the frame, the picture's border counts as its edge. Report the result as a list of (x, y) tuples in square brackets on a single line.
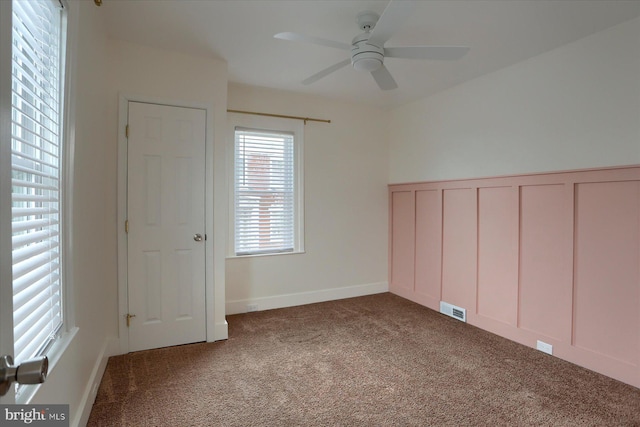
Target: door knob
[(197, 237), (32, 371)]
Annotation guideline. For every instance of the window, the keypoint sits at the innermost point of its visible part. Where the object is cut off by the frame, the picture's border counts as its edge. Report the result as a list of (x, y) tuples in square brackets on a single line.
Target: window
[(267, 189), (37, 157)]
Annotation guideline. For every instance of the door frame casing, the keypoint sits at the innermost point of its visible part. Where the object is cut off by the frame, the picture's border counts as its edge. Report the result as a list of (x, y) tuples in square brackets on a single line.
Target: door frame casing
[(123, 118)]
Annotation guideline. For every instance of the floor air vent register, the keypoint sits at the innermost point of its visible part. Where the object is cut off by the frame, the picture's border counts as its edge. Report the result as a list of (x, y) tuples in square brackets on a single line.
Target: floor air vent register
[(453, 311)]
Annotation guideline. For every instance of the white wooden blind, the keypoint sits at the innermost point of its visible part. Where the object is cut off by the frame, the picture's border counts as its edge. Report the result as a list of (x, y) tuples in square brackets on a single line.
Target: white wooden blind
[(36, 165), (264, 192)]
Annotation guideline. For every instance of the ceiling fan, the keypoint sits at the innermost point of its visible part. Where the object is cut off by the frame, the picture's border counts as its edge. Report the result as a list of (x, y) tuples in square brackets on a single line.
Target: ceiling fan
[(368, 51)]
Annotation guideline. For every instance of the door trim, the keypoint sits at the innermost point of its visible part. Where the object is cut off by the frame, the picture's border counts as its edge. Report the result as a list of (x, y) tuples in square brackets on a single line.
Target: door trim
[(213, 333)]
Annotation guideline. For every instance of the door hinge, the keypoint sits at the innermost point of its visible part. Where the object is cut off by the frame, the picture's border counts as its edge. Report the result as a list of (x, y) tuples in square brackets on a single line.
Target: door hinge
[(126, 226), (126, 131), (129, 317)]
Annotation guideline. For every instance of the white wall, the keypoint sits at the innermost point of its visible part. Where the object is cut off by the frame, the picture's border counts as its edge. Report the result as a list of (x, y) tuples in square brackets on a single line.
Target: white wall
[(577, 106), (94, 259), (172, 77), (106, 68), (345, 207)]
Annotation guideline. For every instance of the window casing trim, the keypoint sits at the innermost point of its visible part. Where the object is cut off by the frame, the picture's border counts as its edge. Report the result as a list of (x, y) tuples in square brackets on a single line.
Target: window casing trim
[(6, 261), (56, 349), (275, 125)]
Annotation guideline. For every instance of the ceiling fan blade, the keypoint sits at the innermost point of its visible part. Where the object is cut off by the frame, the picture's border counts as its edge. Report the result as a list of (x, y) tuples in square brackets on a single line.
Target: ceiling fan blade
[(427, 52), (295, 37), (326, 72), (396, 13), (383, 77)]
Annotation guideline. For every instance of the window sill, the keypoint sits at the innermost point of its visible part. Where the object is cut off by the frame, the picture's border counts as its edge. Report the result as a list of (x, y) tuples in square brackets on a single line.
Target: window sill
[(265, 255), (55, 354)]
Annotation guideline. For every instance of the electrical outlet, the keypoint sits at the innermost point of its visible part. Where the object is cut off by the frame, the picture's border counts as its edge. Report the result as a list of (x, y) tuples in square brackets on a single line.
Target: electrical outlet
[(252, 307), (544, 347)]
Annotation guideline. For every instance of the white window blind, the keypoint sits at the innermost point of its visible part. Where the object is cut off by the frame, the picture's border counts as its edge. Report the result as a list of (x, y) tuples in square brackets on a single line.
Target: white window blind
[(264, 192), (36, 174)]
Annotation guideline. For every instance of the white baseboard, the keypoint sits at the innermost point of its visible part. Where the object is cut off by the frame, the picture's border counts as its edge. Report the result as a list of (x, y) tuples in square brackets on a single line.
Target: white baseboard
[(109, 348), (220, 332), (302, 298)]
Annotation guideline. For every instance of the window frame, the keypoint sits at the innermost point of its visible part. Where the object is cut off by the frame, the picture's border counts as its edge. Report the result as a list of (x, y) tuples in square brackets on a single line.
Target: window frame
[(68, 330), (269, 124)]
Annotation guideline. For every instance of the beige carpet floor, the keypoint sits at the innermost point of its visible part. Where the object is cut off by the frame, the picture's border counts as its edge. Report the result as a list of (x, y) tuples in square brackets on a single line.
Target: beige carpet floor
[(378, 360)]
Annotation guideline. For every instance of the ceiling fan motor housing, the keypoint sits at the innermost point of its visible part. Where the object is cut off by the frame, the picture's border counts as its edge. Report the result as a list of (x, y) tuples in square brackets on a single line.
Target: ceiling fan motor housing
[(364, 56)]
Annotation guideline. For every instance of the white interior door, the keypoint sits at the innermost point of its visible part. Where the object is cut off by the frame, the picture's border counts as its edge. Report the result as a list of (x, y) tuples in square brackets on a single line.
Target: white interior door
[(166, 214)]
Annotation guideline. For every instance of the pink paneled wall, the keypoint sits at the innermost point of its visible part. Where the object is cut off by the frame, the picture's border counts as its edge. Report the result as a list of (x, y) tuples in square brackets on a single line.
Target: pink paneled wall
[(403, 227), (497, 254), (459, 247), (552, 257), (545, 260), (428, 272)]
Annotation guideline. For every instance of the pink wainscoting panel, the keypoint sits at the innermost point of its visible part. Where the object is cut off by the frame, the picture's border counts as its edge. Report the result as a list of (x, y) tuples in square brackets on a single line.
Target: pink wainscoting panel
[(497, 254), (428, 246), (459, 248), (550, 256), (402, 240), (545, 261), (606, 281)]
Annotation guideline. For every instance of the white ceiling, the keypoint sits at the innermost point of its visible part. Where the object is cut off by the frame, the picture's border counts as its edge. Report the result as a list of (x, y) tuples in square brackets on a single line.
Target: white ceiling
[(499, 32)]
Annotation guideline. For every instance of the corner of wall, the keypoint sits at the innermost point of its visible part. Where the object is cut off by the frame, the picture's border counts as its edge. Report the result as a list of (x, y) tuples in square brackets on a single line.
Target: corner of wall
[(110, 347)]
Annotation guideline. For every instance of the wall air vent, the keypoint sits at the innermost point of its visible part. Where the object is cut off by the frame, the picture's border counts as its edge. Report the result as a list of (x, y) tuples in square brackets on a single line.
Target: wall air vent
[(453, 311)]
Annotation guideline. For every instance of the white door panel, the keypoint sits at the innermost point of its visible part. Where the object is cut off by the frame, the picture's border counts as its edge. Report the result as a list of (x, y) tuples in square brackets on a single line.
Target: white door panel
[(165, 201)]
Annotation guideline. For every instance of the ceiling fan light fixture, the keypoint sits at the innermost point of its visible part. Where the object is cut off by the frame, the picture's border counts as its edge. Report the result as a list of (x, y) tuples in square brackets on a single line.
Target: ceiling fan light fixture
[(366, 57), (366, 62)]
